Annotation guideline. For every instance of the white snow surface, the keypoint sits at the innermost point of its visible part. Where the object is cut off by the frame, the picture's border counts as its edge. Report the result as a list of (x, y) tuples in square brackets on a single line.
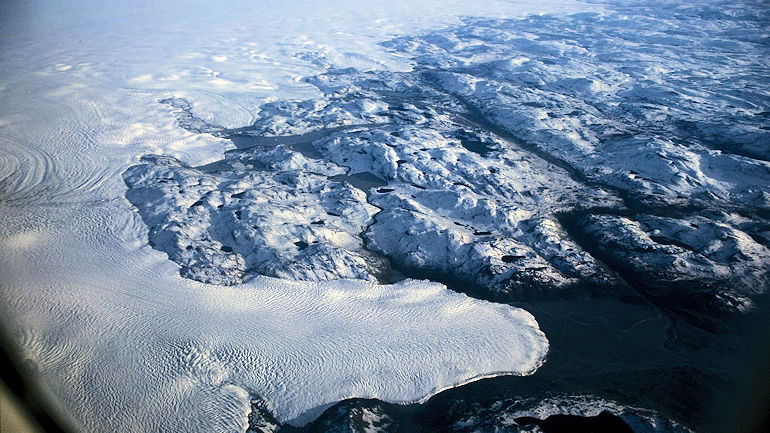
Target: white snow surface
[(228, 56), (123, 330), (120, 339)]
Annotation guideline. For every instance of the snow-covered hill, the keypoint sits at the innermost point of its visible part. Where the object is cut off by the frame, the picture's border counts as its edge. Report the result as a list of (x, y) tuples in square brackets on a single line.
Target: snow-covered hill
[(520, 156)]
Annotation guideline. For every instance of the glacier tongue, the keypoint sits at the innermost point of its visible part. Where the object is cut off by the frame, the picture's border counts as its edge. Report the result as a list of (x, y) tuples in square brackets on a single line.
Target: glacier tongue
[(202, 351)]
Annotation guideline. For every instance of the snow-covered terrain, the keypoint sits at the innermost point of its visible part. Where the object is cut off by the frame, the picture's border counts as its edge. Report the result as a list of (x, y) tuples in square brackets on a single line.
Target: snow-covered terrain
[(276, 207), (508, 144), (207, 212)]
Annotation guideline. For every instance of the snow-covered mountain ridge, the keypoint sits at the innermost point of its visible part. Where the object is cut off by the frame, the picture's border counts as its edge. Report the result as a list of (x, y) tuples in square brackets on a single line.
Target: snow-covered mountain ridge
[(520, 156)]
